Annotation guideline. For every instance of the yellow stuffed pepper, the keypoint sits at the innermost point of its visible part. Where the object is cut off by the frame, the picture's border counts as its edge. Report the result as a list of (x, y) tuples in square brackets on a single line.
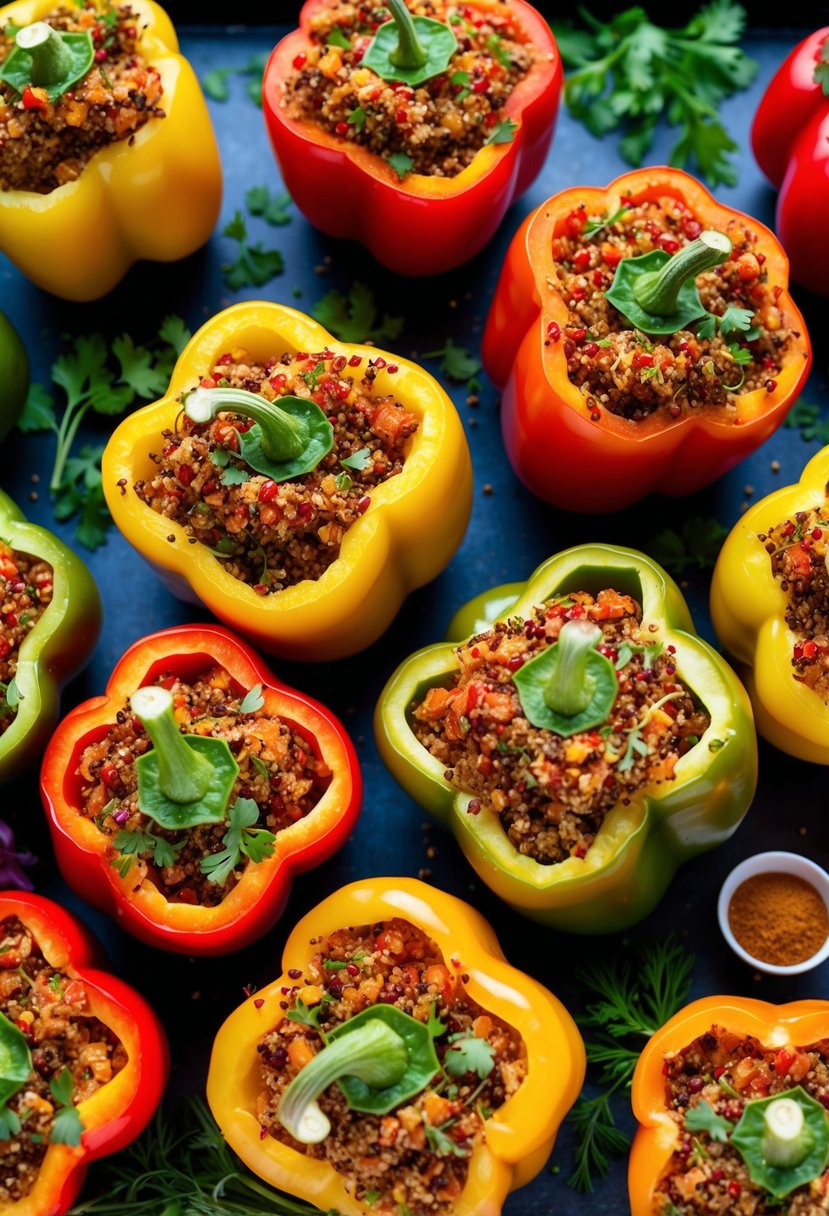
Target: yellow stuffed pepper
[(770, 609), (397, 1059), (107, 153), (297, 486)]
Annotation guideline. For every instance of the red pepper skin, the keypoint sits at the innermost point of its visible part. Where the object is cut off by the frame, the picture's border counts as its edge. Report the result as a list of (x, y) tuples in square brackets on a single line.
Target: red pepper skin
[(112, 1120), (258, 900), (790, 141), (419, 225)]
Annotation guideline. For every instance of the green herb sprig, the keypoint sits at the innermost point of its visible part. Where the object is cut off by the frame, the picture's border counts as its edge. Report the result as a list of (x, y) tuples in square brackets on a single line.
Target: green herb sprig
[(240, 840), (355, 317), (696, 546)]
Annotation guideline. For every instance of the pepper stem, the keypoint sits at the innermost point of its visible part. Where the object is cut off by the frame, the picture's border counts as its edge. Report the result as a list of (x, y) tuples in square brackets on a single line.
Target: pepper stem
[(284, 436), (51, 58), (409, 53), (569, 688), (184, 775), (373, 1052), (786, 1140), (658, 292)]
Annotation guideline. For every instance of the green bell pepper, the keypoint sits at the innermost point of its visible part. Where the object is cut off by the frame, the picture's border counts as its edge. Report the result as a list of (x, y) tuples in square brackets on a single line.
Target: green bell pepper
[(639, 846), (14, 375), (58, 646)]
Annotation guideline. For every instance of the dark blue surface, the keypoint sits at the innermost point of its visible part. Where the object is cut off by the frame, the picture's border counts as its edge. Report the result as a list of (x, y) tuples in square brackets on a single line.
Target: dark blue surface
[(509, 535)]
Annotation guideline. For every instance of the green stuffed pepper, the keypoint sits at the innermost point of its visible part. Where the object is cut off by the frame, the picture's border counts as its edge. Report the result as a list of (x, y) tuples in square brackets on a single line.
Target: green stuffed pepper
[(580, 743), (50, 625), (14, 375)]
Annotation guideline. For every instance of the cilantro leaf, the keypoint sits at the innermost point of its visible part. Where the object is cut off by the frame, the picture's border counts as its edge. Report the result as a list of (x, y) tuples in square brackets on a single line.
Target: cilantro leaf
[(240, 839), (353, 318), (357, 118), (38, 413), (252, 700), (821, 72), (9, 1120), (736, 320), (698, 544), (468, 1053), (504, 133), (138, 368), (703, 1118), (174, 332), (234, 476), (442, 1144), (336, 37), (344, 482), (596, 223), (457, 363), (272, 207), (254, 266), (358, 460), (401, 163), (215, 84), (303, 1014), (67, 1127), (805, 417)]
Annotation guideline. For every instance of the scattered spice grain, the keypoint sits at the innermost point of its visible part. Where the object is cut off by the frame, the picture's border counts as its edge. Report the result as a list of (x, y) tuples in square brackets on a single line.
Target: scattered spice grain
[(778, 918)]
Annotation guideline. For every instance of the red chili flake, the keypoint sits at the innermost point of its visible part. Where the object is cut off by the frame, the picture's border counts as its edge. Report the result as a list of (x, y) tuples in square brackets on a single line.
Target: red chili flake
[(553, 331), (208, 382), (5, 650), (338, 363), (277, 382), (581, 260), (186, 474), (809, 650), (480, 86), (575, 221), (258, 1003), (613, 257), (35, 99), (363, 504), (598, 278), (641, 358), (300, 60), (761, 257), (260, 588), (787, 529), (735, 1189), (491, 119), (355, 360)]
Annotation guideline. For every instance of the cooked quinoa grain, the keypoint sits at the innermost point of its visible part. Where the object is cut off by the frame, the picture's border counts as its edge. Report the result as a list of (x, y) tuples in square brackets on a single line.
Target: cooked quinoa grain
[(440, 124), (625, 372), (552, 794), (278, 770), (273, 535), (708, 1177), (395, 1159), (61, 1033), (797, 549), (26, 586), (46, 144)]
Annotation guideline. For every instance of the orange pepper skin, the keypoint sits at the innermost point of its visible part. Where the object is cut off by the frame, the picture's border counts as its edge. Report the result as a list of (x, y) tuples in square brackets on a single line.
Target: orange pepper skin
[(158, 199), (121, 1109), (519, 1135), (254, 905), (420, 225), (414, 525), (797, 1023), (554, 446), (748, 611)]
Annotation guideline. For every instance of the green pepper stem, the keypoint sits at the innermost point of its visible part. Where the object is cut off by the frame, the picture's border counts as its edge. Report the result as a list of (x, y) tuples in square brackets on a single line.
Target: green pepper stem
[(658, 292), (409, 53), (373, 1052), (51, 58), (284, 437), (184, 775), (568, 690), (786, 1140)]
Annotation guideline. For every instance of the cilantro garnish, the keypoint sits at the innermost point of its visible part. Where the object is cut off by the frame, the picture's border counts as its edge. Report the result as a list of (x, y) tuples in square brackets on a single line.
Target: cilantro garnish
[(254, 266), (343, 482), (134, 844), (462, 79), (252, 700), (504, 133), (629, 72), (805, 417), (703, 1118), (240, 839), (354, 317), (336, 37), (358, 460), (306, 1016), (468, 1053), (67, 1127), (9, 696), (312, 377), (401, 163), (357, 118), (596, 223), (697, 545), (273, 208), (442, 1144), (234, 476), (821, 72), (216, 82), (457, 363)]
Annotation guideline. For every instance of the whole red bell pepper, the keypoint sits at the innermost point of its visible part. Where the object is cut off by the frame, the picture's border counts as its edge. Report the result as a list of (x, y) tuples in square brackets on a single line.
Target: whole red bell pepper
[(790, 141), (419, 224), (121, 1108), (107, 870)]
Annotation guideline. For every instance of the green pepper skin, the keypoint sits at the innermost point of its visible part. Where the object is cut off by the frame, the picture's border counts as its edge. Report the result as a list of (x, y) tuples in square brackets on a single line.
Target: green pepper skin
[(14, 375), (58, 647), (639, 848)]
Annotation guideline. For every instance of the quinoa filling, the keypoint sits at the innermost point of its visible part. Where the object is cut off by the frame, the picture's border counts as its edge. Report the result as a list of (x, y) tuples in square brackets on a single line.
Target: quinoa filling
[(550, 793), (278, 772), (622, 370), (797, 549), (66, 1042), (417, 1157), (45, 144), (438, 126), (26, 589), (723, 1069), (273, 535)]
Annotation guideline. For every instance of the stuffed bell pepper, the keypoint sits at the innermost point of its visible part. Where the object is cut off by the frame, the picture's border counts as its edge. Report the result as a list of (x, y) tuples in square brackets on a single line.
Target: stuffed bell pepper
[(184, 800), (580, 742), (790, 141), (731, 1097), (50, 622), (298, 486), (107, 154), (644, 339), (399, 1063), (412, 126), (84, 1058), (770, 610)]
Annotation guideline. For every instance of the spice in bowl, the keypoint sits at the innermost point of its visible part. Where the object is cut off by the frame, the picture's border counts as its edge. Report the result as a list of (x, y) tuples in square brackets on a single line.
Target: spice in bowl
[(778, 918)]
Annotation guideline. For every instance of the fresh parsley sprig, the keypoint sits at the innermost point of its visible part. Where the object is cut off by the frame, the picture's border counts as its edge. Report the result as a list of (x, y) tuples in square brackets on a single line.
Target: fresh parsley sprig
[(254, 266), (629, 72), (355, 317), (67, 1127), (456, 362), (240, 840)]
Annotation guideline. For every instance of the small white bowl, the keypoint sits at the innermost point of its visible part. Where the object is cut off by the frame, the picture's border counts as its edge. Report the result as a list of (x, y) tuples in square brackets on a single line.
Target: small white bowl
[(773, 863)]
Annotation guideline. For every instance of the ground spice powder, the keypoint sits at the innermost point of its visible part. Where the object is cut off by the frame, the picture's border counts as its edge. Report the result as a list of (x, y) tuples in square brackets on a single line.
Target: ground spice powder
[(778, 918)]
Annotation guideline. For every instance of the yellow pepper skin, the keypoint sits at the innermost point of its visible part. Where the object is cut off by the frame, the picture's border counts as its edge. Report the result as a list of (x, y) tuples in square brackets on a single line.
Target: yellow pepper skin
[(414, 524), (158, 199), (748, 609), (519, 1135), (658, 1134)]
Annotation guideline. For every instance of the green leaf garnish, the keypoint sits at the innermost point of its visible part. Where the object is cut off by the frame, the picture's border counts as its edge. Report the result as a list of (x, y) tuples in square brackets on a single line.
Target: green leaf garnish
[(784, 1140), (457, 362), (354, 318), (337, 37), (468, 1053), (596, 223), (358, 460), (47, 58), (569, 687), (401, 163), (67, 1127), (357, 118), (503, 133), (657, 292), (273, 208), (240, 840), (254, 266), (442, 1144), (703, 1118), (252, 700), (234, 476), (410, 49)]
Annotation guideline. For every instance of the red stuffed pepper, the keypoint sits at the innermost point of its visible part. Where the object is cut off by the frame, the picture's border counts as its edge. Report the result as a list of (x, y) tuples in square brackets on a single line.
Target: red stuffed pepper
[(413, 136), (790, 141), (84, 1058), (184, 800)]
